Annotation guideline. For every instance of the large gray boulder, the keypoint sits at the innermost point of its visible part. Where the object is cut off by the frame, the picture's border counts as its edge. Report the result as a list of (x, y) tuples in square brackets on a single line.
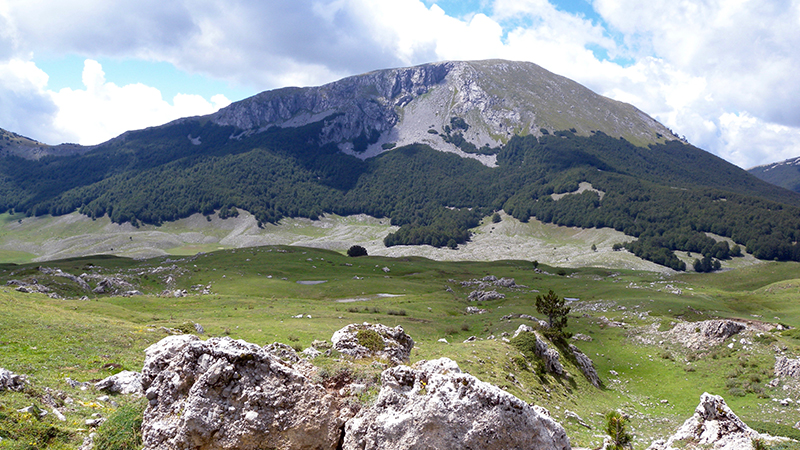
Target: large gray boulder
[(355, 340), (705, 334), (125, 382), (435, 406), (230, 394), (713, 426)]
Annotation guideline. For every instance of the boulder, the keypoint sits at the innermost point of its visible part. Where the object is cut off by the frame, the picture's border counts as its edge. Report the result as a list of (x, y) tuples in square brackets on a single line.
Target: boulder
[(11, 381), (230, 394), (701, 335), (713, 426), (125, 382), (360, 341), (433, 405)]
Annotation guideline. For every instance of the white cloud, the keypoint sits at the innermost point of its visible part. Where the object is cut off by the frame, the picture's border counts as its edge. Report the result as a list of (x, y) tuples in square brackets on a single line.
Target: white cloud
[(690, 63), (104, 110), (25, 106)]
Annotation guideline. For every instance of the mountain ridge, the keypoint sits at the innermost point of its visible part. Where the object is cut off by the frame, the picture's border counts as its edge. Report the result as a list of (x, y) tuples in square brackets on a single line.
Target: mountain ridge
[(304, 152), (785, 174), (407, 105)]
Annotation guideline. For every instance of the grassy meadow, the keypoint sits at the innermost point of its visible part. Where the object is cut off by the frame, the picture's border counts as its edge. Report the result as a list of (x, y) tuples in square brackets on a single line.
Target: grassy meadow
[(256, 293)]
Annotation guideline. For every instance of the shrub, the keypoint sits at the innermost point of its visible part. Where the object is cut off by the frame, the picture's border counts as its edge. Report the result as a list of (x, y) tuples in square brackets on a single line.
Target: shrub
[(370, 339), (356, 251), (615, 427)]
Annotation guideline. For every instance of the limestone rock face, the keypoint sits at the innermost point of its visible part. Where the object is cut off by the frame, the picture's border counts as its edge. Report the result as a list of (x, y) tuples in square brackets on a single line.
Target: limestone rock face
[(713, 426), (397, 344), (403, 106), (787, 367), (435, 406), (699, 335), (229, 394), (586, 365)]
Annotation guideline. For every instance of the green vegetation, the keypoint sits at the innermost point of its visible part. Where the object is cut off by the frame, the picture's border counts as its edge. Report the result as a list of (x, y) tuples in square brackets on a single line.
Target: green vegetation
[(556, 311), (616, 425), (123, 429), (668, 195), (356, 250), (255, 296)]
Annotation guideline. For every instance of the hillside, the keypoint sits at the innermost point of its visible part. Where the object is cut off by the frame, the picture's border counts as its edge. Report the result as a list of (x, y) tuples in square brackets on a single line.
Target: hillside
[(655, 340), (435, 148), (785, 174)]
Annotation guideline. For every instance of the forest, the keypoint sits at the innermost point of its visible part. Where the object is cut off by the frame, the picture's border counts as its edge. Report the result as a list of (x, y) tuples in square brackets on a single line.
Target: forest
[(668, 196)]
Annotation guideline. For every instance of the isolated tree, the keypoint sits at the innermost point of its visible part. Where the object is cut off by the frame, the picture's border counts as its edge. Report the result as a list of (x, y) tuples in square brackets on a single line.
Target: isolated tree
[(496, 218), (615, 427), (556, 311), (356, 250)]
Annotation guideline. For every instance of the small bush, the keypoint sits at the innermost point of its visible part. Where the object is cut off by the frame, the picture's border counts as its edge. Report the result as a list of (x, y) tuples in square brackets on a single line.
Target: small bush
[(356, 251), (392, 312), (370, 339), (464, 327)]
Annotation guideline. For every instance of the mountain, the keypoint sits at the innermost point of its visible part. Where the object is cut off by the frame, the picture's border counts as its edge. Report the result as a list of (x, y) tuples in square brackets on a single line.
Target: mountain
[(435, 148), (785, 174), (14, 144)]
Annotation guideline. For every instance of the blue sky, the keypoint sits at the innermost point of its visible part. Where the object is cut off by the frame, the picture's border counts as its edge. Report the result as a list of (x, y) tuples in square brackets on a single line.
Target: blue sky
[(721, 73)]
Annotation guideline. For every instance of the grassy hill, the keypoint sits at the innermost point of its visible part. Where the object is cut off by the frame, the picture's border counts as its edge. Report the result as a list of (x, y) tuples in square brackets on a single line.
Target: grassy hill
[(255, 293)]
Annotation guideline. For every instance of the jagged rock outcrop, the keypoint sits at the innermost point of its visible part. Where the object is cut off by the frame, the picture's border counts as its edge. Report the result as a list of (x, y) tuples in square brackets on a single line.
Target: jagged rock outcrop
[(374, 340), (713, 426), (416, 105), (11, 381), (787, 367), (433, 405), (125, 382), (550, 356), (230, 394), (586, 366), (705, 334)]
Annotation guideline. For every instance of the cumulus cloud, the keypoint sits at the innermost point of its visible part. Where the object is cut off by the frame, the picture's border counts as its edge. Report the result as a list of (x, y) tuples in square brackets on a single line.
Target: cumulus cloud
[(25, 106), (706, 68), (104, 110)]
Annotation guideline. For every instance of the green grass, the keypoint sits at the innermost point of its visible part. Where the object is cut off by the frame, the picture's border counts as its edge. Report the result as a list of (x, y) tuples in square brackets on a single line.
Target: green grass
[(255, 295)]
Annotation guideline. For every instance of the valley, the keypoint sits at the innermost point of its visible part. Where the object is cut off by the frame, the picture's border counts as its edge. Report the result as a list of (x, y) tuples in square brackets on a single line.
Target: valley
[(620, 318)]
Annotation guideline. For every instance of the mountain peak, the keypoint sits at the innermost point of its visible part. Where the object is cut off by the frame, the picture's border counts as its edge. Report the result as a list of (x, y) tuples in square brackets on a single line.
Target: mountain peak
[(464, 107)]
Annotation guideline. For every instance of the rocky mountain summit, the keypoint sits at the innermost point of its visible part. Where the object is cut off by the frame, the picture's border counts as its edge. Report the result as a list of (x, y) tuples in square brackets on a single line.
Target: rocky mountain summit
[(485, 103)]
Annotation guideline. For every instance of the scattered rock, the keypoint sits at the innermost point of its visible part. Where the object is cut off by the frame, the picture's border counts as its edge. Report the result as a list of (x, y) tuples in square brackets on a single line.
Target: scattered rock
[(397, 344), (11, 381), (484, 296), (787, 367), (713, 426), (125, 382), (226, 394), (582, 337), (574, 417), (470, 339), (435, 405), (474, 310)]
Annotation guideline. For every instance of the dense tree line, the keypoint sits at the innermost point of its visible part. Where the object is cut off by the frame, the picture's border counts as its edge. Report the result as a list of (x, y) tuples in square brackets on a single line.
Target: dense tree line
[(668, 196)]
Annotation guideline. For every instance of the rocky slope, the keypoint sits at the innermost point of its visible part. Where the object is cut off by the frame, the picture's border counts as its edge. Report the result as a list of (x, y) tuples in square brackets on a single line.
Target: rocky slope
[(785, 174), (397, 107)]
